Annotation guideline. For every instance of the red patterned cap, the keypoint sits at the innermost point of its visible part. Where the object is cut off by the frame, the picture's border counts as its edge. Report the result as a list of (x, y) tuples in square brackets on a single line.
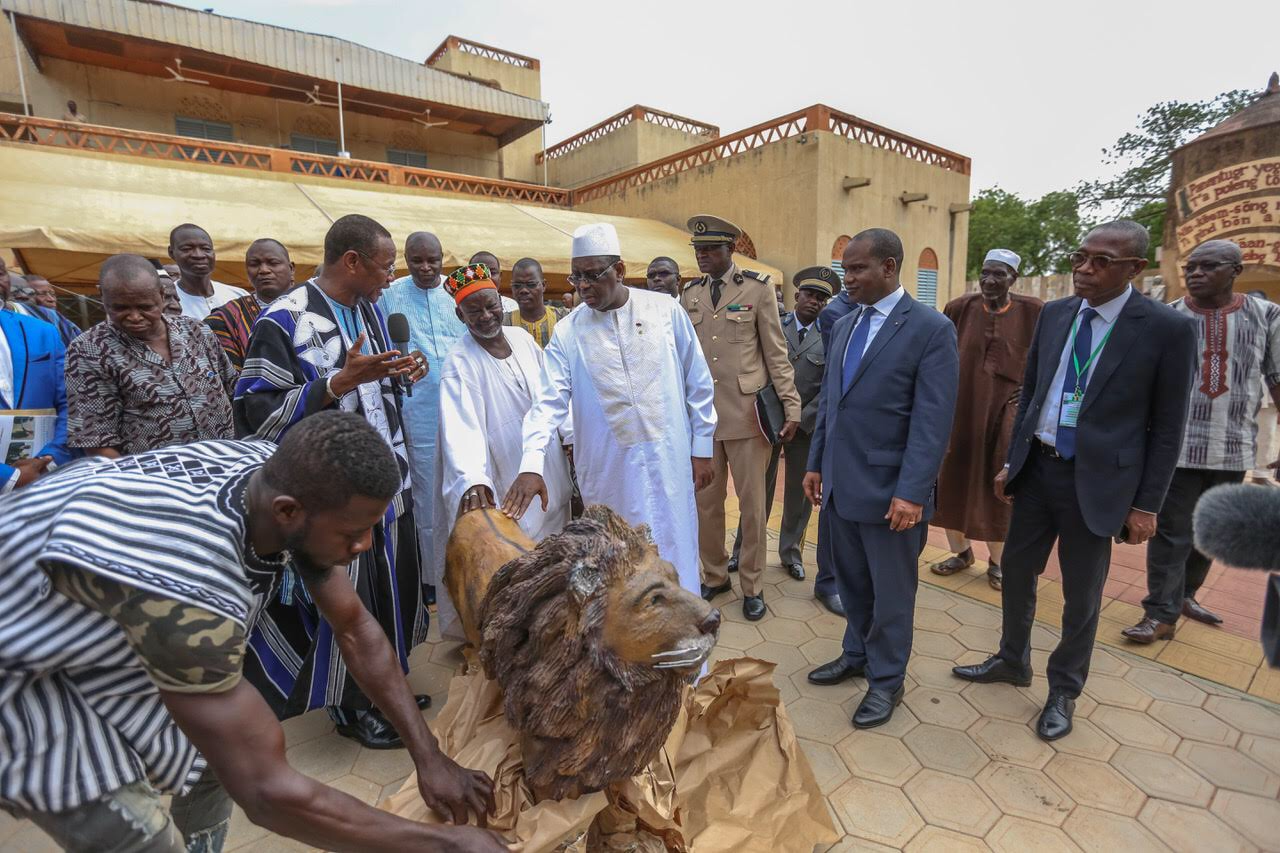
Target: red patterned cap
[(465, 281)]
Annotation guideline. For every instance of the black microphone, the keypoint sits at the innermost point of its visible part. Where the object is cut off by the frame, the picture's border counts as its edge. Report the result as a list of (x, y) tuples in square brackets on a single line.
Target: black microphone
[(1240, 525), (398, 329)]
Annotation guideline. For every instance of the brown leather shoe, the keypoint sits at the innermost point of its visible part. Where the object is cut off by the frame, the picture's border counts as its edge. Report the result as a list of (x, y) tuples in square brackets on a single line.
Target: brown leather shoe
[(954, 563), (1148, 630), (995, 577), (1193, 609)]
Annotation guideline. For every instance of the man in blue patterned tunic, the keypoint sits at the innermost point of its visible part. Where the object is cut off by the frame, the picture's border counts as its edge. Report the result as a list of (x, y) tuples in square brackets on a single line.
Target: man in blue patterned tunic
[(324, 345)]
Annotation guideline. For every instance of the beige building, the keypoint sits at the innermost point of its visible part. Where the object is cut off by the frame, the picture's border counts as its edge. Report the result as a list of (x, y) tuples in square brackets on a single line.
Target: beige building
[(253, 129)]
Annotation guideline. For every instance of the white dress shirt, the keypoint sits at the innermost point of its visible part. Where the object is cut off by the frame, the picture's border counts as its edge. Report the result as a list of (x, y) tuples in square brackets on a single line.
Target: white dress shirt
[(1102, 323), (879, 313)]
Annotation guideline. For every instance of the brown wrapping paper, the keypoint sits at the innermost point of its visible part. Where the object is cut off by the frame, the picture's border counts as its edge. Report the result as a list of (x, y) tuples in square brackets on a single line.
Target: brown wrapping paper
[(739, 781)]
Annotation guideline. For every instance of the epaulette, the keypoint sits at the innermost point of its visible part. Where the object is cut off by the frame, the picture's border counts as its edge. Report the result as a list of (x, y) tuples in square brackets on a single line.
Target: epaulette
[(758, 276), (693, 281)]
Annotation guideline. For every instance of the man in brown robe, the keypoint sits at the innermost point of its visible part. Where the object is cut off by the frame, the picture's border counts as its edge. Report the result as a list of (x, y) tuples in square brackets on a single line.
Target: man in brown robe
[(994, 328)]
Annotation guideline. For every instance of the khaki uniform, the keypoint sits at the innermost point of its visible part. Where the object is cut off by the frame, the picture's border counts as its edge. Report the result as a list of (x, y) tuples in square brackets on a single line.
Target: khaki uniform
[(742, 340)]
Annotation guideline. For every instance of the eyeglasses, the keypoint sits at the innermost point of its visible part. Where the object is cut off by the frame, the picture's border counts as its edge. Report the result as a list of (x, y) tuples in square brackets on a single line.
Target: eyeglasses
[(581, 278), (1208, 266), (1100, 262), (390, 270)]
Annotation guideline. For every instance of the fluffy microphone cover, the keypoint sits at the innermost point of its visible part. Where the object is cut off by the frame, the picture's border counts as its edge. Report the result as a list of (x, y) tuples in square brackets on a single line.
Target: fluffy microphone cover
[(1240, 525)]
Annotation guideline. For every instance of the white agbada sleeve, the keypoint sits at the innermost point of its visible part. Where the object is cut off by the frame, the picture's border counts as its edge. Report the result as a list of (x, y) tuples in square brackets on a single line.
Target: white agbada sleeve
[(699, 393), (464, 452), (550, 410)]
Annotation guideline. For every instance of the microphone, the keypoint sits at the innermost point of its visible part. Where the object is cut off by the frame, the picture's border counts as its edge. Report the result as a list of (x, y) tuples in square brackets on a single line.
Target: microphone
[(1240, 525), (398, 329)]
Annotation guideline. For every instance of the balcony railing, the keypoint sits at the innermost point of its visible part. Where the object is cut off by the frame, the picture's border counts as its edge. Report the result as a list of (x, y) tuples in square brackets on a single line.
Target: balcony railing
[(159, 146), (622, 119), (475, 48), (815, 118)]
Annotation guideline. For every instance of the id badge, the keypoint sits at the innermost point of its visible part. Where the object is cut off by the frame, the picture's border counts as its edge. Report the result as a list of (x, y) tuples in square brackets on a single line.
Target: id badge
[(1069, 415)]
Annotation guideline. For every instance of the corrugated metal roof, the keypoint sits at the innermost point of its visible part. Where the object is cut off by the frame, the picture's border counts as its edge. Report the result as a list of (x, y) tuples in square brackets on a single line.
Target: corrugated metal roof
[(278, 47)]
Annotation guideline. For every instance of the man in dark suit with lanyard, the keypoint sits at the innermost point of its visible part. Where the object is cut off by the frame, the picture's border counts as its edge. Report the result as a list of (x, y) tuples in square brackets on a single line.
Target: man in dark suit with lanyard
[(1094, 446)]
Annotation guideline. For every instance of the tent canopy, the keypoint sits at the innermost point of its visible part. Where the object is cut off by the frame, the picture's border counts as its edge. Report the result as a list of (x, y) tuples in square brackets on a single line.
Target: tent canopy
[(67, 211)]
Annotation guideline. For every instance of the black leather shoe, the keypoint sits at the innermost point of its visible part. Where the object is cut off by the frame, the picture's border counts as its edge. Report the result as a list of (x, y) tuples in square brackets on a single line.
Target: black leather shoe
[(1055, 719), (832, 602), (710, 592), (994, 669), (423, 700), (1193, 609), (835, 672), (876, 708), (753, 607), (372, 731), (733, 564), (796, 570)]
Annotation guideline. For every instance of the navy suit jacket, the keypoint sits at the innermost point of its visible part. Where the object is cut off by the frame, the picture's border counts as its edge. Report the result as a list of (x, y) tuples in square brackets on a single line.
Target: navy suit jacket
[(38, 383), (1133, 414), (886, 436)]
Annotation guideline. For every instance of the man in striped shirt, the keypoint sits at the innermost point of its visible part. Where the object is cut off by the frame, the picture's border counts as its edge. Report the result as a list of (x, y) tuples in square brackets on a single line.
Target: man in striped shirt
[(270, 272), (128, 588)]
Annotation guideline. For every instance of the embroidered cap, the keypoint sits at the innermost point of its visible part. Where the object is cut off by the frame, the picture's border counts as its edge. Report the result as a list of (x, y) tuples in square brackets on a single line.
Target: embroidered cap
[(600, 239), (467, 280), (1004, 256)]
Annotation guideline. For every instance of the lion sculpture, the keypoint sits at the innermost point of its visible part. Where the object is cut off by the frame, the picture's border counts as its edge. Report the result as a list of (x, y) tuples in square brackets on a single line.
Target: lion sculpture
[(592, 640)]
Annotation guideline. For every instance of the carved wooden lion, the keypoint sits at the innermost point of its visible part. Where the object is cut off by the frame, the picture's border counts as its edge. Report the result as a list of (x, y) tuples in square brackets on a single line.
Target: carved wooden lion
[(592, 639)]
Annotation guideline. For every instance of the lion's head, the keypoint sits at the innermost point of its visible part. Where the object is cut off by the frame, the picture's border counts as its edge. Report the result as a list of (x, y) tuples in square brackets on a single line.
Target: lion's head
[(592, 639)]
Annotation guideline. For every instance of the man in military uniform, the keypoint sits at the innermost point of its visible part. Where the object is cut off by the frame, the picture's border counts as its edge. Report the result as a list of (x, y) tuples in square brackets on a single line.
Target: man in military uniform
[(814, 286), (734, 315)]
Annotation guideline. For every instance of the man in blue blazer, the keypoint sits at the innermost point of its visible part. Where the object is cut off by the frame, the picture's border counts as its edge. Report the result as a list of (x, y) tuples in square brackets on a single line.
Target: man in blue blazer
[(884, 420), (31, 364), (1094, 446)]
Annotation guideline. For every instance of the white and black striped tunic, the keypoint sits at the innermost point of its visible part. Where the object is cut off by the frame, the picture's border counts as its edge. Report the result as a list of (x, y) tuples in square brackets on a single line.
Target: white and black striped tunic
[(79, 716)]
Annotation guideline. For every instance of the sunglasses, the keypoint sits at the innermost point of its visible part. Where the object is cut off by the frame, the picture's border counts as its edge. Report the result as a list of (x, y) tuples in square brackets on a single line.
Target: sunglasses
[(1100, 262), (581, 278)]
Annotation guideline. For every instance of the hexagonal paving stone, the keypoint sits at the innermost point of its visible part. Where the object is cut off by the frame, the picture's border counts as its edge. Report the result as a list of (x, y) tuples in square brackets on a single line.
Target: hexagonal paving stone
[(447, 654), (383, 766), (876, 812), (1087, 741), (1168, 686), (796, 608), (1105, 832), (1193, 723), (1264, 750), (821, 650), (1254, 817), (1025, 793), (1109, 690), (935, 839), (1010, 742), (879, 757), (308, 726), (850, 844), (1244, 714), (1003, 701), (1019, 835), (935, 620), (1190, 830), (737, 636), (828, 626), (1105, 663), (1044, 639), (934, 672), (1093, 783), (941, 707), (1134, 728), (936, 645), (951, 802), (325, 759), (787, 659), (824, 722), (933, 598), (1227, 768), (1163, 776), (978, 639), (782, 630), (945, 749), (362, 789), (829, 771), (972, 613)]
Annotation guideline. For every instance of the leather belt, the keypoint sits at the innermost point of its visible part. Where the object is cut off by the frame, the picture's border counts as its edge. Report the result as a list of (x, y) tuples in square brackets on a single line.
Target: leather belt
[(1050, 451)]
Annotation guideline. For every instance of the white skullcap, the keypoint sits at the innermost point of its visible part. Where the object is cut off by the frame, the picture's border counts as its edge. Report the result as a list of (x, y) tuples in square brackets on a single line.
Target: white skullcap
[(1004, 256), (594, 240)]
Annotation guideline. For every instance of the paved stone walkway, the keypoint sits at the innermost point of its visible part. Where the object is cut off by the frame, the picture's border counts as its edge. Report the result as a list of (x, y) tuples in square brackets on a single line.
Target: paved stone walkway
[(1159, 760)]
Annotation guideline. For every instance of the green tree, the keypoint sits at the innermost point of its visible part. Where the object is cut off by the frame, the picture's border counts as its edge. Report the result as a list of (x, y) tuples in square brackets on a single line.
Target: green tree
[(1041, 231), (1142, 158)]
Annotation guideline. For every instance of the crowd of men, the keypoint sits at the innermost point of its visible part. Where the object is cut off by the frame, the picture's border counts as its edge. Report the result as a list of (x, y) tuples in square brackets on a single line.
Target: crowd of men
[(242, 513)]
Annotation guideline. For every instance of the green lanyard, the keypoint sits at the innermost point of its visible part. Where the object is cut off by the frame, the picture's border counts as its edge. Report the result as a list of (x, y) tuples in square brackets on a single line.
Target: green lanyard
[(1081, 372)]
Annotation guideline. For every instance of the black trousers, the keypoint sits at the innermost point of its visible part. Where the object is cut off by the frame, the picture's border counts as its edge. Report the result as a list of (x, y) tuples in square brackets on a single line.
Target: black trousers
[(1045, 511), (1175, 567)]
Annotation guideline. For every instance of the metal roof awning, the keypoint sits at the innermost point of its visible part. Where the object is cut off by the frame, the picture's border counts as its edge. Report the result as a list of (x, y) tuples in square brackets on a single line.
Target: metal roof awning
[(259, 59), (65, 211)]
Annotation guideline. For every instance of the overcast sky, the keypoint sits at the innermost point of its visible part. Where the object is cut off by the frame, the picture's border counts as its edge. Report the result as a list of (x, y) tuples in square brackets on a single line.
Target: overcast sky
[(1031, 91)]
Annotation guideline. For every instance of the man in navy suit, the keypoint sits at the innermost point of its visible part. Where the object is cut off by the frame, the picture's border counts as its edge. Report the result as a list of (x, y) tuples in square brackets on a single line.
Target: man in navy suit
[(884, 420), (31, 363), (1095, 443)]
